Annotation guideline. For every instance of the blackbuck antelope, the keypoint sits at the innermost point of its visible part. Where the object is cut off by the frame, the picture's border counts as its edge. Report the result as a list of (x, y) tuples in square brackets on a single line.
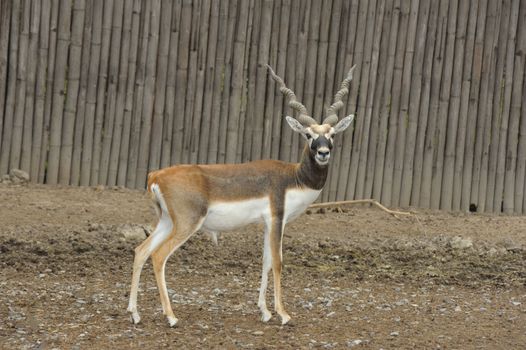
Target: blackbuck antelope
[(221, 197)]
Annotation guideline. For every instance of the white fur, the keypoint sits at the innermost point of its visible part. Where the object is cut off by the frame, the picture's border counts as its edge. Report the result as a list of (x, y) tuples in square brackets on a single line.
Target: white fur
[(157, 192), (267, 265), (226, 216), (343, 124), (159, 235), (297, 200), (295, 125), (165, 225)]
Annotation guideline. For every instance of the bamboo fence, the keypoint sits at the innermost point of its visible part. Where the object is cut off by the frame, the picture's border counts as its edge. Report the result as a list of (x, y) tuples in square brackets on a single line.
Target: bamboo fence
[(104, 91)]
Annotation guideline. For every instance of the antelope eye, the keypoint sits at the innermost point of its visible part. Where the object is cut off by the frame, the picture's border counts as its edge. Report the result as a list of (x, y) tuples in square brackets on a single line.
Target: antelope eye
[(308, 136)]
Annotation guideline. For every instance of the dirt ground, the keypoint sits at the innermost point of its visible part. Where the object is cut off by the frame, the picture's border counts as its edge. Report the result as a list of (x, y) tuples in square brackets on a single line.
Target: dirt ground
[(353, 279)]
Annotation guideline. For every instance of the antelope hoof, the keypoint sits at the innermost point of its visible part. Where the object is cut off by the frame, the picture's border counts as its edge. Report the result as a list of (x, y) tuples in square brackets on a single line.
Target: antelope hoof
[(172, 321), (134, 317), (285, 318), (265, 315)]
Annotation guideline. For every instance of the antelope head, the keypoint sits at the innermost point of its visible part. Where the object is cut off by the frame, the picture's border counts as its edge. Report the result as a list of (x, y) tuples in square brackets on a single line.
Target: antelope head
[(318, 136)]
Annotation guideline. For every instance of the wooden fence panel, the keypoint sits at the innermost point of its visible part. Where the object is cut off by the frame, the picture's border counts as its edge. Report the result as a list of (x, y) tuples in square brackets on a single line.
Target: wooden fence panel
[(102, 92), (468, 78), (70, 108), (5, 20), (475, 89), (423, 111), (20, 89), (518, 109)]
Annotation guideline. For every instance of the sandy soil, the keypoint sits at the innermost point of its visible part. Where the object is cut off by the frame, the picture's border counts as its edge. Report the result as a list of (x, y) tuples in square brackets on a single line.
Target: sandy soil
[(353, 279)]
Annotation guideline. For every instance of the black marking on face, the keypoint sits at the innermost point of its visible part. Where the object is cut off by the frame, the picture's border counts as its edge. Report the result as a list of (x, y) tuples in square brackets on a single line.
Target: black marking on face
[(320, 142)]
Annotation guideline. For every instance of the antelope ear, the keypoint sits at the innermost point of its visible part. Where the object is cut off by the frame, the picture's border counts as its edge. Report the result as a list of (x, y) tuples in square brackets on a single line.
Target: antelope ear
[(295, 125), (343, 124)]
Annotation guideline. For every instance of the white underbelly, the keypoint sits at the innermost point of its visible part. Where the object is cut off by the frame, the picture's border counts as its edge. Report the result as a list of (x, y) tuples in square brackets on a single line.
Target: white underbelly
[(297, 200), (226, 216)]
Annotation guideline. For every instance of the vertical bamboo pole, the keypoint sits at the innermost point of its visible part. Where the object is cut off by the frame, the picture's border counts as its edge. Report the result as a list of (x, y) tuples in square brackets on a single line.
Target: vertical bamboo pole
[(443, 104), (326, 74), (385, 104), (101, 92), (225, 83), (136, 111), (218, 82), (10, 87), (149, 90), (190, 92), (130, 99), (517, 107), (290, 20), (241, 143), (506, 158), (265, 56), (202, 48), (80, 112), (18, 123), (227, 75), (403, 117), (278, 148), (481, 138), (91, 94), (370, 67), (40, 90), (473, 120), (520, 178), (342, 35), (73, 82), (322, 65), (363, 57), (423, 111), (120, 105), (452, 115), (160, 85), (414, 104), (299, 77), (389, 188), (5, 18), (497, 114), (376, 98), (251, 83), (272, 122), (333, 73), (208, 93), (27, 137), (258, 145), (464, 106), (226, 100), (522, 150), (111, 90), (436, 76), (359, 75), (181, 82), (487, 111), (57, 111), (309, 85), (238, 63), (347, 136), (169, 110), (42, 173)]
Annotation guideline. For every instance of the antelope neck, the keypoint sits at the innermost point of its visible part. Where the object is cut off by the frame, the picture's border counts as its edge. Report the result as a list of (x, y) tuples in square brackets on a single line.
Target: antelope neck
[(309, 172)]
